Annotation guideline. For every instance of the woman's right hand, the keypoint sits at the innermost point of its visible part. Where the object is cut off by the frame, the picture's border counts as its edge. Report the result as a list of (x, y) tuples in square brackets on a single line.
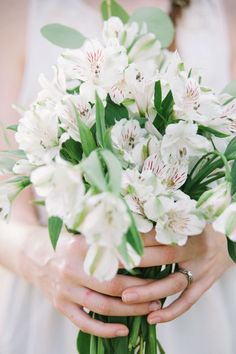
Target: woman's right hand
[(61, 277)]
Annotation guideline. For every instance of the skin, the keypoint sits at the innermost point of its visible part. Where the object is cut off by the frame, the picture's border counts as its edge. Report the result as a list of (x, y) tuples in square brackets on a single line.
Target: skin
[(26, 249)]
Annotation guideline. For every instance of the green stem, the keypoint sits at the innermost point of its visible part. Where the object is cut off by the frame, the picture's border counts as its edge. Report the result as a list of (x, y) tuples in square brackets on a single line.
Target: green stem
[(141, 349), (226, 164), (108, 2), (199, 161), (134, 332)]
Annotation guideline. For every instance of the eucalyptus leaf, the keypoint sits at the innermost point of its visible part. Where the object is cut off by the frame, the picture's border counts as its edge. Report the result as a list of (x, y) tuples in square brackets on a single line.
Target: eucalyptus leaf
[(231, 88), (158, 22), (63, 36), (54, 227), (111, 8)]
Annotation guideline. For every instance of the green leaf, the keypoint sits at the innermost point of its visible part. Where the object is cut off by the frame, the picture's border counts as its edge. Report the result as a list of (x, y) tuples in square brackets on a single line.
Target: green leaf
[(111, 8), (231, 88), (92, 168), (114, 112), (86, 137), (54, 227), (133, 235), (100, 121), (230, 152), (158, 22), (83, 343), (114, 171), (217, 133), (13, 127), (232, 249), (71, 151), (167, 105), (233, 175), (63, 36), (107, 140), (158, 96)]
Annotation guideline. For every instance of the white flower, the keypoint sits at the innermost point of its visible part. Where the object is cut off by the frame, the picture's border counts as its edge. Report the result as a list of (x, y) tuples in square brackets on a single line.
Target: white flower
[(226, 222), (129, 139), (175, 219), (8, 192), (172, 174), (23, 167), (181, 140), (62, 186), (214, 201), (66, 111), (141, 46), (140, 81), (102, 262), (52, 89), (37, 135), (106, 220), (98, 67)]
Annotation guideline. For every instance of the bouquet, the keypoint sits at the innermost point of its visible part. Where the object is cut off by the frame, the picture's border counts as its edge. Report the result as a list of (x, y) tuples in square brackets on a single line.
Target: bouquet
[(125, 139)]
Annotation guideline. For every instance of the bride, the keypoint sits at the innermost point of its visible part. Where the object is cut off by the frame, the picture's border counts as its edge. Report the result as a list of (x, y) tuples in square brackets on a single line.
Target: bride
[(43, 293)]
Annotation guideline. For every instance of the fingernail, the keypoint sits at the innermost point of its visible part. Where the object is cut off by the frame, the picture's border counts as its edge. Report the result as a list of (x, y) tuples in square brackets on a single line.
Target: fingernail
[(122, 332), (129, 297), (154, 306), (154, 320)]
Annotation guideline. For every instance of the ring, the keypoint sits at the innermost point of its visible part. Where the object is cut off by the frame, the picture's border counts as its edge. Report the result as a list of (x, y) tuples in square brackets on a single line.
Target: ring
[(188, 274)]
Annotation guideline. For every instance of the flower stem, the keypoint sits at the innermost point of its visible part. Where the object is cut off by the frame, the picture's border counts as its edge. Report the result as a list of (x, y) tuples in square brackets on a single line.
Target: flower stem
[(141, 349), (134, 332), (109, 8)]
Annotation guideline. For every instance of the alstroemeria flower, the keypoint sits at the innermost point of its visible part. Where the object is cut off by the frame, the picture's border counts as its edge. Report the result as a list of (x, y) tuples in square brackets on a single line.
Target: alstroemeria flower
[(172, 174), (140, 81), (62, 187), (67, 110), (129, 139), (106, 220), (181, 140), (226, 222), (52, 89), (175, 219), (214, 201), (102, 262), (8, 192), (98, 67), (38, 135)]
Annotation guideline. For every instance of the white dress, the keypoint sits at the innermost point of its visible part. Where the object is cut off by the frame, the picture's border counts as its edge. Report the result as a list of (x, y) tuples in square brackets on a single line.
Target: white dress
[(28, 322)]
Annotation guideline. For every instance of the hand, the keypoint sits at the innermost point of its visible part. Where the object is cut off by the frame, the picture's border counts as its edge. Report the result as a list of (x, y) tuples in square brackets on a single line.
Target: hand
[(205, 255), (61, 277)]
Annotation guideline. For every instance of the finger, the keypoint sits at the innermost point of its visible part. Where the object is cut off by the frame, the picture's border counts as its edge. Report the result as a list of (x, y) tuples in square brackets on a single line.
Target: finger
[(149, 238), (106, 305), (159, 255), (89, 325), (186, 300), (156, 290)]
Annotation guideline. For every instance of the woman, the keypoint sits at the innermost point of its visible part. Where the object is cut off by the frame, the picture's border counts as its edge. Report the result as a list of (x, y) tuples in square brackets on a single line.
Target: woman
[(29, 323)]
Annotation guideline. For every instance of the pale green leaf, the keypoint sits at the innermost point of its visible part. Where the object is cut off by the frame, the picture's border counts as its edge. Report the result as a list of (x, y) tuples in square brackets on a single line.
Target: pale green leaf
[(114, 171), (100, 121), (111, 8), (93, 171), (231, 88), (63, 36), (158, 22)]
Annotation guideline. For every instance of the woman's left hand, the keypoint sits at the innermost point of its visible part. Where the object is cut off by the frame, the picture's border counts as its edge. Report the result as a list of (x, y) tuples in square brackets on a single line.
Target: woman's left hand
[(205, 255)]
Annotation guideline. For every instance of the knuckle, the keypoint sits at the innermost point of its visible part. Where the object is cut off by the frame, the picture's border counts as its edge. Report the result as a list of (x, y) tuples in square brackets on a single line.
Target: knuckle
[(114, 288), (104, 307), (170, 254), (86, 299), (65, 269)]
